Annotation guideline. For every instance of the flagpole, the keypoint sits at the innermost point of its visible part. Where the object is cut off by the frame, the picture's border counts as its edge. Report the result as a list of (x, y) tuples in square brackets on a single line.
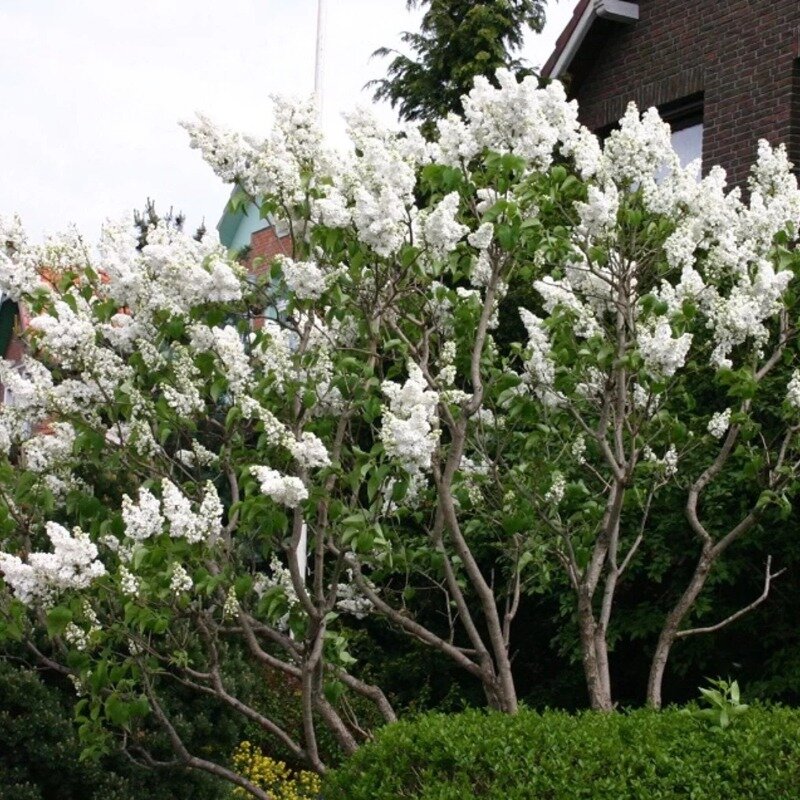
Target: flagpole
[(320, 56), (302, 545)]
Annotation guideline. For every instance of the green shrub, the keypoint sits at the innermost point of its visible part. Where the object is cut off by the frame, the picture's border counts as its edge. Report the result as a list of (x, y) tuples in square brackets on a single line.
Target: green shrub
[(641, 755), (40, 752)]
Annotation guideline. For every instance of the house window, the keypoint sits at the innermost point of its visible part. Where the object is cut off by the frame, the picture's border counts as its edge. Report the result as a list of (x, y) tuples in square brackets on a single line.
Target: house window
[(794, 135), (688, 143), (685, 117)]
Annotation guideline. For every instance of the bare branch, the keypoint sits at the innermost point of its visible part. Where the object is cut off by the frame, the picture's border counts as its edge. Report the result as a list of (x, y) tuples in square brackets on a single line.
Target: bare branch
[(768, 578), (194, 762)]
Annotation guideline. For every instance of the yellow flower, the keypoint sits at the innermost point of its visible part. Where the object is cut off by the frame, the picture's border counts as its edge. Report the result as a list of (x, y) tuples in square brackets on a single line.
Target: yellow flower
[(273, 776)]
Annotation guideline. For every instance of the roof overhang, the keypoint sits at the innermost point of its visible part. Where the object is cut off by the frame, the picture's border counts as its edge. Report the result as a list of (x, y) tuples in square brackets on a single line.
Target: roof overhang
[(230, 220), (568, 44)]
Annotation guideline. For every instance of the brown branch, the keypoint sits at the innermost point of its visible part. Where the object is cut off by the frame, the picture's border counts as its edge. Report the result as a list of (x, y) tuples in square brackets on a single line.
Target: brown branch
[(195, 762), (768, 578)]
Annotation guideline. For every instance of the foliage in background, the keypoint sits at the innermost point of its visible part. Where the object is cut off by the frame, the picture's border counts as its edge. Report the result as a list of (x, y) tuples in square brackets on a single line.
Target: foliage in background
[(148, 219), (40, 753), (458, 40)]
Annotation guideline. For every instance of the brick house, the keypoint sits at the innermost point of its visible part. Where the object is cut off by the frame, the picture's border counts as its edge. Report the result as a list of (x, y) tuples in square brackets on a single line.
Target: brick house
[(724, 73), (256, 239)]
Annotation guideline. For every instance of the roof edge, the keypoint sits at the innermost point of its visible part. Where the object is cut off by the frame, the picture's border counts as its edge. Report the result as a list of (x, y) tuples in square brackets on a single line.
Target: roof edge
[(576, 30)]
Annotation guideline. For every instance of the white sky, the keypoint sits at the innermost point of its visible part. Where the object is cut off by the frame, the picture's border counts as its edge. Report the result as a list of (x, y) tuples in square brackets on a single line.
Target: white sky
[(91, 92)]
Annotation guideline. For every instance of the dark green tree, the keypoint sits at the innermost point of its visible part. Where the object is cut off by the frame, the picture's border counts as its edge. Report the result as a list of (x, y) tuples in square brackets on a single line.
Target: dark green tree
[(457, 41), (149, 218)]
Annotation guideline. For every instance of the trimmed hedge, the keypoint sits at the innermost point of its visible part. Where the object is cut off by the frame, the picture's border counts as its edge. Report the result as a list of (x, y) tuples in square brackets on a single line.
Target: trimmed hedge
[(641, 755)]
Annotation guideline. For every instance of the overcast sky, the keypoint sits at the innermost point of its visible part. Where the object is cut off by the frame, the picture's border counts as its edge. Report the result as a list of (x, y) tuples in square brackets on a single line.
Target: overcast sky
[(91, 92)]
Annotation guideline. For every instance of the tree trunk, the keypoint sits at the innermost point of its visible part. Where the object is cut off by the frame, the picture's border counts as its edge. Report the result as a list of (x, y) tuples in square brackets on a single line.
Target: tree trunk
[(671, 627), (595, 658), (497, 697)]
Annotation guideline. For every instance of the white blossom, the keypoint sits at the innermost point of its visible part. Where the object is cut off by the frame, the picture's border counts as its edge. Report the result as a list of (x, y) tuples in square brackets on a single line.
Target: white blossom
[(578, 449), (663, 354), (442, 231), (555, 494), (180, 582), (230, 607), (130, 584), (539, 367), (72, 564), (349, 600), (309, 450), (185, 523), (304, 279), (409, 429), (284, 489), (793, 390), (719, 423), (142, 520)]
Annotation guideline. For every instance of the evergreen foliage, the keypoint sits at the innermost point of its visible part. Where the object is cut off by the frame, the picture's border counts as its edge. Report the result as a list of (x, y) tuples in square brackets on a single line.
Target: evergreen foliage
[(458, 40)]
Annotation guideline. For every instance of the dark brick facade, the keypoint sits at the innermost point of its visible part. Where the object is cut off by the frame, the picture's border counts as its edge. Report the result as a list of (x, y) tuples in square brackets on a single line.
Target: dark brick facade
[(742, 55), (264, 246)]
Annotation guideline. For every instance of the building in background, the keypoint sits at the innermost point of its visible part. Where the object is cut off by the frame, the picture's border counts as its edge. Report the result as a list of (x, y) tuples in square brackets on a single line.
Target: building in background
[(255, 240), (724, 73)]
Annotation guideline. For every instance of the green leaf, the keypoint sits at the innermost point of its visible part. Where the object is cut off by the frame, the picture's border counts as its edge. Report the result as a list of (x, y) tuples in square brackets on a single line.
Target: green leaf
[(57, 620)]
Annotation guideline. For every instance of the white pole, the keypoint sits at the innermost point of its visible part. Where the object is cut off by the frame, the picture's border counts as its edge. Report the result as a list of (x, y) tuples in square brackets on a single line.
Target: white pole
[(302, 545), (320, 57)]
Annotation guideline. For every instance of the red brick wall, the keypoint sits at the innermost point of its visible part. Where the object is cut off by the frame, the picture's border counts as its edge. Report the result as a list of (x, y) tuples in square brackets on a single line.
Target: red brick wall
[(742, 54), (264, 246)]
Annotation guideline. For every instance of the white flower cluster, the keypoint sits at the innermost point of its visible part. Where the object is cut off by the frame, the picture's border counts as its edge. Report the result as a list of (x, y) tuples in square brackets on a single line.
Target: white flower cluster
[(564, 293), (380, 182), (281, 578), (172, 273), (793, 390), (198, 456), (184, 397), (130, 584), (409, 431), (540, 370), (148, 517), (640, 149), (69, 335), (472, 472), (76, 636), (668, 464), (303, 278), (270, 167), (442, 231), (284, 489), (273, 352), (18, 273), (49, 453), (309, 450), (73, 564), (520, 118), (232, 359), (230, 608), (663, 354), (558, 485), (578, 449), (80, 637), (203, 526), (142, 520), (180, 582), (349, 599), (719, 423), (721, 249)]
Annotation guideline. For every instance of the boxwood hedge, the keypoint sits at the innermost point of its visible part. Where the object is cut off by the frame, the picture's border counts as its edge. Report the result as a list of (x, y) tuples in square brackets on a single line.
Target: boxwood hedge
[(641, 755)]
